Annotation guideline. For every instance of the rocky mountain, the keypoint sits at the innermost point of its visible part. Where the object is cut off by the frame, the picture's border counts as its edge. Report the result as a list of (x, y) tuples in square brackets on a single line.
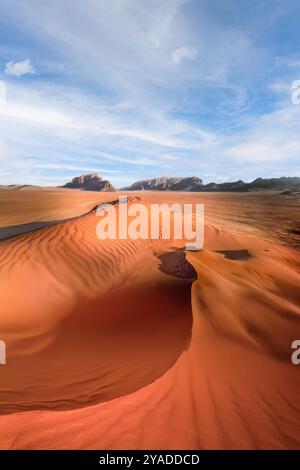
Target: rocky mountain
[(284, 182), (194, 183), (18, 187), (233, 186), (163, 183), (276, 184), (92, 182)]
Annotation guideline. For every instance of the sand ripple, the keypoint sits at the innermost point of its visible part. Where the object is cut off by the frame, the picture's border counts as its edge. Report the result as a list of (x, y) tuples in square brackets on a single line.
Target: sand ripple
[(123, 344)]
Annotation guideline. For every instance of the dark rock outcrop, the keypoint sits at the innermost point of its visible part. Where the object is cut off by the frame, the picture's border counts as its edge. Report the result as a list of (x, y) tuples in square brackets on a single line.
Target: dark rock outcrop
[(239, 186), (91, 182)]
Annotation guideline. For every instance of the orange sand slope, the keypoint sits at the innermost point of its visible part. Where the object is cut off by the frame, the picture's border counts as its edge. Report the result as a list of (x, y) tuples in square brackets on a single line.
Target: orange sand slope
[(136, 344)]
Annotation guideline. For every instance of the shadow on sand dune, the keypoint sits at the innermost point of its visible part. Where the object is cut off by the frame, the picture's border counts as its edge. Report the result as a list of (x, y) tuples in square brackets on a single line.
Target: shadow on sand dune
[(175, 264), (102, 349), (235, 254)]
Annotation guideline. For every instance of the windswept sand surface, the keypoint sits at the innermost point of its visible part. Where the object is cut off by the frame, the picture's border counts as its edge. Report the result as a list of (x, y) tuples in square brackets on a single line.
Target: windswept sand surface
[(141, 345)]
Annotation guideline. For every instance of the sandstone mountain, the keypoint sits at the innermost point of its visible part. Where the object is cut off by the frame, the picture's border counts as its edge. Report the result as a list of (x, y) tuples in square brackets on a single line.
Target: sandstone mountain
[(276, 184), (92, 182), (196, 184), (163, 183)]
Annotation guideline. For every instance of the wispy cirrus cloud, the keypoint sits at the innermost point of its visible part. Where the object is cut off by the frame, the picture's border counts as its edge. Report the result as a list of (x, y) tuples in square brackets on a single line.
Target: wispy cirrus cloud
[(139, 88)]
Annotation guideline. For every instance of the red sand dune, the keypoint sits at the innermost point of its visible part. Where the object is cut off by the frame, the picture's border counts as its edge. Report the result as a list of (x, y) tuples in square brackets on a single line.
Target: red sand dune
[(137, 344)]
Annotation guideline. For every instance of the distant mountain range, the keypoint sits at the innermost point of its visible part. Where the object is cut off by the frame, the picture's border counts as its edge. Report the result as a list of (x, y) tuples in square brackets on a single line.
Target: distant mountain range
[(93, 182), (196, 184)]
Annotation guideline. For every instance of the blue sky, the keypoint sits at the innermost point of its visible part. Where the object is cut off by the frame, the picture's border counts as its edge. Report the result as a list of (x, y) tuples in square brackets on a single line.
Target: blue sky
[(135, 89)]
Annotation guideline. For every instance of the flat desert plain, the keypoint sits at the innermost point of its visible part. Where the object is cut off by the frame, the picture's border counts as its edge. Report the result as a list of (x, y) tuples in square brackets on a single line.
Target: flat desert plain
[(140, 344)]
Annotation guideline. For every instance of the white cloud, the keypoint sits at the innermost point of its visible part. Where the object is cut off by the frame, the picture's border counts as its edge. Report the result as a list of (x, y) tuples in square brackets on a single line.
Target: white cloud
[(281, 87), (41, 106), (273, 137), (62, 166), (294, 63), (264, 150), (23, 67), (183, 53)]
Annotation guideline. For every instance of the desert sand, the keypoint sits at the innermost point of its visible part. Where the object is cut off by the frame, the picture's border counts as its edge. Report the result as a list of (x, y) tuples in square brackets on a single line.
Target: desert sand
[(123, 344)]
